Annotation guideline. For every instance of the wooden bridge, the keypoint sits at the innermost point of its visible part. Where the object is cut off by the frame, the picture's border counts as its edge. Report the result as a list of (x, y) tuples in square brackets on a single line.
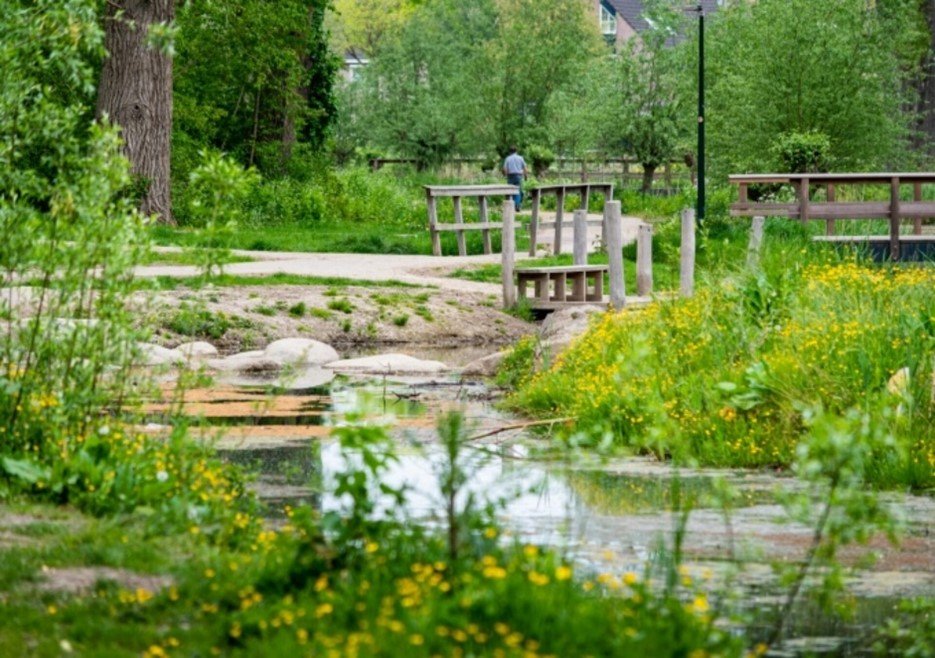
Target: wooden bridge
[(816, 199)]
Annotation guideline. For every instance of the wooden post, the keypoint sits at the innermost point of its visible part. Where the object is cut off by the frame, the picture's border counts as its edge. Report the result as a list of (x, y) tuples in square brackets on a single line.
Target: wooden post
[(644, 260), (559, 216), (803, 200), (894, 218), (917, 197), (829, 223), (488, 248), (459, 219), (507, 255), (534, 222), (614, 237), (581, 237), (687, 254), (433, 220), (585, 197), (756, 241)]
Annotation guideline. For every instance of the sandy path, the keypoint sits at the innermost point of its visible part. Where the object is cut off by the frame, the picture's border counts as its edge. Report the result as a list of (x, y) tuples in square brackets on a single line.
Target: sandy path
[(415, 269)]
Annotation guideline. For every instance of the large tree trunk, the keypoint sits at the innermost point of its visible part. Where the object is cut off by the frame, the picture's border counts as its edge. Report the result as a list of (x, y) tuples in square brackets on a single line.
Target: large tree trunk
[(136, 93)]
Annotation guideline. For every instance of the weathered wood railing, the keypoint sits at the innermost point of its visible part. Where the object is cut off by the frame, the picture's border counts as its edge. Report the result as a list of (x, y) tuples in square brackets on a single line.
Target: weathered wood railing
[(458, 192), (804, 208), (561, 191)]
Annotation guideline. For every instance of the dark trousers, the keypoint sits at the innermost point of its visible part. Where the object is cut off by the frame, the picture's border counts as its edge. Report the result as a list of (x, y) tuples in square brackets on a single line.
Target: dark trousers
[(517, 180)]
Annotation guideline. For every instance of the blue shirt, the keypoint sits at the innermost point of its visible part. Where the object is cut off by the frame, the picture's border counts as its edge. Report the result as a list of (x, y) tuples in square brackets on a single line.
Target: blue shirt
[(514, 164)]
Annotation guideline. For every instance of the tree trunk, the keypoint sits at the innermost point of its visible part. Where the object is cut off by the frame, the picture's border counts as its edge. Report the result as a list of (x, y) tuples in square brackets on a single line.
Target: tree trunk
[(136, 93), (649, 174)]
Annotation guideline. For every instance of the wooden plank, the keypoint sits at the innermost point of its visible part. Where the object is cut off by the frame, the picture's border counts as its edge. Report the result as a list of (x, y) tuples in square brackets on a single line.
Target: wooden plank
[(534, 222), (485, 221), (559, 216), (597, 293), (895, 217), (917, 197), (613, 237), (459, 219), (580, 249), (846, 178), (567, 269), (803, 199), (829, 223), (508, 255), (560, 289), (471, 190), (765, 209), (433, 226), (469, 226), (856, 210), (579, 286)]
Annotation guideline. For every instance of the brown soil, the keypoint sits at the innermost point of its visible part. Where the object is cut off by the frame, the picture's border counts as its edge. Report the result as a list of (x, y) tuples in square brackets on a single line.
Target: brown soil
[(376, 315)]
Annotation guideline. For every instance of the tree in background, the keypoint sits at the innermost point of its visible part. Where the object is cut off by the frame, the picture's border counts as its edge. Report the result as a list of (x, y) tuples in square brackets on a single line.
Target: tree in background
[(363, 24), (539, 49), (474, 77), (253, 79), (135, 92), (778, 67), (421, 97)]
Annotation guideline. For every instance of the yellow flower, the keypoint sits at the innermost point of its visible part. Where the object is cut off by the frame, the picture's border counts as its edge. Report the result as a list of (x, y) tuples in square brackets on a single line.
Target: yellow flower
[(563, 573), (372, 547), (537, 578)]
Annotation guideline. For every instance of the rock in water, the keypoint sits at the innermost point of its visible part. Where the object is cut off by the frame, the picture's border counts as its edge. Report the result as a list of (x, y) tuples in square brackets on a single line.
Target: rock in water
[(388, 364), (294, 351)]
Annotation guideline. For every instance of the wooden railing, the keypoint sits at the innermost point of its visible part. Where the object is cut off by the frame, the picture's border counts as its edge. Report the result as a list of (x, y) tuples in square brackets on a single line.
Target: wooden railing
[(561, 191), (456, 193), (804, 208)]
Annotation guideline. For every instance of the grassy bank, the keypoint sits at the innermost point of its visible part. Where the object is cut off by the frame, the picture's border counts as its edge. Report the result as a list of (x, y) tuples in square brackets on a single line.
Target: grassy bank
[(727, 377)]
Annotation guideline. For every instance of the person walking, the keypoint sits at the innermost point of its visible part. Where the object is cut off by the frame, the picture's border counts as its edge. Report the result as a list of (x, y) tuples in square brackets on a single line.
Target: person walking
[(514, 168)]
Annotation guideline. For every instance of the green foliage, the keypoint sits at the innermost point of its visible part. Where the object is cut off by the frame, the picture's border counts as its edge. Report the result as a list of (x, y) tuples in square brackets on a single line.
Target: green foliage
[(794, 66), (475, 77), (342, 305), (199, 322), (298, 310), (909, 633), (252, 97), (519, 365), (803, 153)]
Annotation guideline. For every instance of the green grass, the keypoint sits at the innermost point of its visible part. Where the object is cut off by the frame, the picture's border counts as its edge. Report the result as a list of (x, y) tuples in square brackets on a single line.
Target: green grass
[(362, 238), (191, 257), (341, 305)]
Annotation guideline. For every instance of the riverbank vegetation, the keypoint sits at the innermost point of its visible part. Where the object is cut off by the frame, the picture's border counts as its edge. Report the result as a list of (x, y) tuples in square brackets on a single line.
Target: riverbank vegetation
[(725, 378)]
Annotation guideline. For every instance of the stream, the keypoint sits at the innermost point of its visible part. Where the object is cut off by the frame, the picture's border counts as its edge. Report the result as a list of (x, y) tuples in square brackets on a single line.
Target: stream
[(604, 516)]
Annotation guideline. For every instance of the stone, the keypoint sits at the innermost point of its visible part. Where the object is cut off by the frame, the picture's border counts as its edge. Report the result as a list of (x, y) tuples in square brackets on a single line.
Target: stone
[(294, 351), (197, 350), (563, 326), (485, 366), (157, 355), (388, 364)]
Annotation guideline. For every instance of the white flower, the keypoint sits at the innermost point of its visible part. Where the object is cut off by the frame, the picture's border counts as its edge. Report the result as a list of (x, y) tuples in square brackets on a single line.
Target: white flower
[(162, 476)]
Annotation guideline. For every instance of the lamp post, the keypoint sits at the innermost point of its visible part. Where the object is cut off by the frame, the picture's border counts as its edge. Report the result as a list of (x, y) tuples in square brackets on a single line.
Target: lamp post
[(700, 208)]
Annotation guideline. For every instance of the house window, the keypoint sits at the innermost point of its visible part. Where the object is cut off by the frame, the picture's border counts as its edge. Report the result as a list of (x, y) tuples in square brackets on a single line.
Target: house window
[(608, 21)]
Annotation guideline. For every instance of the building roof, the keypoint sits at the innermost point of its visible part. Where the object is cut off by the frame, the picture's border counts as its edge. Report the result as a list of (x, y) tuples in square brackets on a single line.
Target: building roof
[(632, 11)]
